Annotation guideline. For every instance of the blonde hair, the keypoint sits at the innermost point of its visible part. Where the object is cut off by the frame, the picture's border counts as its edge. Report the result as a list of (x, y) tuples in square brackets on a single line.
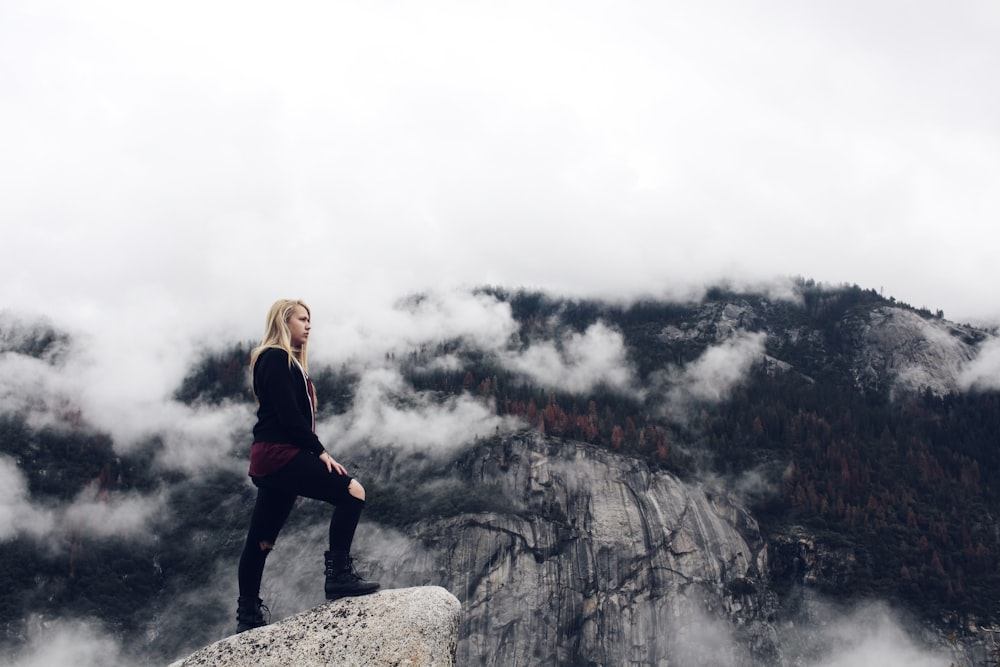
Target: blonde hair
[(276, 333)]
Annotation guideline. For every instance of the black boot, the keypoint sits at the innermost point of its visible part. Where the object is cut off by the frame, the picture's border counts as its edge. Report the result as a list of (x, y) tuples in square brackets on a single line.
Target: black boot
[(250, 614), (342, 579)]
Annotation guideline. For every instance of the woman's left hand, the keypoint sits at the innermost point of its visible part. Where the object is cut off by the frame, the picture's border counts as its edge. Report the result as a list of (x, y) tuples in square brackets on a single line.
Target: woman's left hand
[(332, 465)]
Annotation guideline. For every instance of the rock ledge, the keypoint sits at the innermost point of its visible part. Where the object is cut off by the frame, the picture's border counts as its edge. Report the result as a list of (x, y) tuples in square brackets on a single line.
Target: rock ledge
[(407, 627)]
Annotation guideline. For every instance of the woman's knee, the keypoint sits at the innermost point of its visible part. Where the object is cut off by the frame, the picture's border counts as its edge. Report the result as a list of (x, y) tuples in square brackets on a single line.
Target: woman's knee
[(356, 490)]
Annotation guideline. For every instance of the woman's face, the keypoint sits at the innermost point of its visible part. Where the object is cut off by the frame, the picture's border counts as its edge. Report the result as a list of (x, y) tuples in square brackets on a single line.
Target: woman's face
[(298, 327)]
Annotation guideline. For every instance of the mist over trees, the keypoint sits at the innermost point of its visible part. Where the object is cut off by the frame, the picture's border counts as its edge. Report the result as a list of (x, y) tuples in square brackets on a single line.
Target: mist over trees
[(906, 484)]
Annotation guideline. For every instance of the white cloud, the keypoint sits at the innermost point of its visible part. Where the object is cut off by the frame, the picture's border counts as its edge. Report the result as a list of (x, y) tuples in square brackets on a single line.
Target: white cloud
[(32, 388), (719, 369), (983, 372), (386, 411), (18, 516), (423, 319), (102, 515), (577, 362), (68, 642), (128, 397), (872, 636), (199, 438), (92, 513)]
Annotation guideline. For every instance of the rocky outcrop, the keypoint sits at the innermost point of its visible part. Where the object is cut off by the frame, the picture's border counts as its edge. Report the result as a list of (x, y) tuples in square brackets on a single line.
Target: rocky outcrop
[(599, 561), (412, 627), (798, 558), (892, 349), (901, 351), (714, 322)]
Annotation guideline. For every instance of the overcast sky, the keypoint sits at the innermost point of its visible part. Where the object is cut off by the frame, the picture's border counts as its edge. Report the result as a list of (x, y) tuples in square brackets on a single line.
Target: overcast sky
[(169, 169)]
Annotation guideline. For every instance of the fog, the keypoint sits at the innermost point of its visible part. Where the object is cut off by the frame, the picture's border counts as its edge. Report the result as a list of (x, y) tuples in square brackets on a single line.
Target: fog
[(426, 423), (18, 515), (577, 362), (983, 372), (824, 635), (717, 370)]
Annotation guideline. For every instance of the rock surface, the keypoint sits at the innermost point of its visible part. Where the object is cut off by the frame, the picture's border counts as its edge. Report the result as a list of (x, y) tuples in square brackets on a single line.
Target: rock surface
[(892, 348), (599, 561), (410, 627), (898, 349)]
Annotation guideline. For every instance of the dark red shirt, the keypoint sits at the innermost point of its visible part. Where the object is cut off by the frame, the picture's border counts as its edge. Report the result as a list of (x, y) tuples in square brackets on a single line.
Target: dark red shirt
[(270, 457)]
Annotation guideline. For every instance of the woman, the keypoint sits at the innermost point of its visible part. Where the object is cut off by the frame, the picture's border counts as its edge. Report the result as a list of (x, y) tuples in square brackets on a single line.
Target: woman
[(287, 460)]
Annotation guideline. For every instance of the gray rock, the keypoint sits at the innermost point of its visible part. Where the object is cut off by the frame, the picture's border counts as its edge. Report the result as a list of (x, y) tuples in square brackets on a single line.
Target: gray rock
[(898, 349), (410, 627), (714, 322), (599, 561)]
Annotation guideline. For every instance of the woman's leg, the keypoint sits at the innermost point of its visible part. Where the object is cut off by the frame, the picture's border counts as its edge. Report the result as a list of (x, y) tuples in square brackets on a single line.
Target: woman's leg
[(269, 514), (345, 518), (306, 475)]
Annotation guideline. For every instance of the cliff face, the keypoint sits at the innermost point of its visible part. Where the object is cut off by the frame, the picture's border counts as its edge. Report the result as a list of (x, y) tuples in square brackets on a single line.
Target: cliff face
[(599, 561)]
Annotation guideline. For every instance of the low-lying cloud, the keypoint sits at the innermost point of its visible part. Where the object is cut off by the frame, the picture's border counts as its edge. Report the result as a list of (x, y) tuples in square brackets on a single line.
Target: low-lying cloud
[(389, 412), (128, 397), (577, 362), (478, 319), (104, 514), (712, 376), (18, 515), (92, 513), (36, 390), (983, 372), (868, 635), (67, 642)]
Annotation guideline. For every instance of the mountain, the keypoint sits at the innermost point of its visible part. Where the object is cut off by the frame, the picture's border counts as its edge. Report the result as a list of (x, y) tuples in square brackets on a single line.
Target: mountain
[(652, 481)]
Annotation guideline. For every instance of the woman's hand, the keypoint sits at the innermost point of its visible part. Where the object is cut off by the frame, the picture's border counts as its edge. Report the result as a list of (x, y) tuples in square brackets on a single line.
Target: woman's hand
[(332, 465)]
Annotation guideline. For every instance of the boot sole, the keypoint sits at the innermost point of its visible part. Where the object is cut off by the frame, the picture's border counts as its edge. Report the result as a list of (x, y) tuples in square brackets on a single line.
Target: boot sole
[(353, 594)]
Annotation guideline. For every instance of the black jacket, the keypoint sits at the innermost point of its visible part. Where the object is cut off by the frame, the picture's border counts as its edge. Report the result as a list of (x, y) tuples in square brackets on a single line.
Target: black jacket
[(285, 411)]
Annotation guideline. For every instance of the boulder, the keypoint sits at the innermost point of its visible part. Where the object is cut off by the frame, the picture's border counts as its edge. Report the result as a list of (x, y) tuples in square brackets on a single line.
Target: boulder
[(408, 627)]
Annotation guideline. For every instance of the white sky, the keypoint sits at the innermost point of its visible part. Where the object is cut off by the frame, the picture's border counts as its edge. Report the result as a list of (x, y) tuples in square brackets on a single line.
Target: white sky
[(169, 169)]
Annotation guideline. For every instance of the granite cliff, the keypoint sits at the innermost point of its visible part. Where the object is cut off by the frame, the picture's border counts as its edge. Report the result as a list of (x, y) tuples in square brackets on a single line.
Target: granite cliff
[(598, 560)]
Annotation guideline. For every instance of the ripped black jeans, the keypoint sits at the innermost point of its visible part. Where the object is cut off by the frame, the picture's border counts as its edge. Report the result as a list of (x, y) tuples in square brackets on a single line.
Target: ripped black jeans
[(305, 475)]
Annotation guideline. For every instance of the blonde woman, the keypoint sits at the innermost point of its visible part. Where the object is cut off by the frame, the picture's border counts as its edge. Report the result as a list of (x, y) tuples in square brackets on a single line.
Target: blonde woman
[(287, 460)]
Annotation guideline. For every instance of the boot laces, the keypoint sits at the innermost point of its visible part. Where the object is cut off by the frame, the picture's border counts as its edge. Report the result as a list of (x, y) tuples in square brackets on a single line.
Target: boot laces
[(345, 567), (265, 613), (258, 614)]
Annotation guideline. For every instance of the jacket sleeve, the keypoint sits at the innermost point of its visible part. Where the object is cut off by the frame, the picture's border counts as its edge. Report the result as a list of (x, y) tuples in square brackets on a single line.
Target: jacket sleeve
[(281, 388)]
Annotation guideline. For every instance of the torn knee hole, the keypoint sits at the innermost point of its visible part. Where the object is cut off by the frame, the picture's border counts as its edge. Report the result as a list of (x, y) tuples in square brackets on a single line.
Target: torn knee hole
[(266, 546), (356, 490)]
